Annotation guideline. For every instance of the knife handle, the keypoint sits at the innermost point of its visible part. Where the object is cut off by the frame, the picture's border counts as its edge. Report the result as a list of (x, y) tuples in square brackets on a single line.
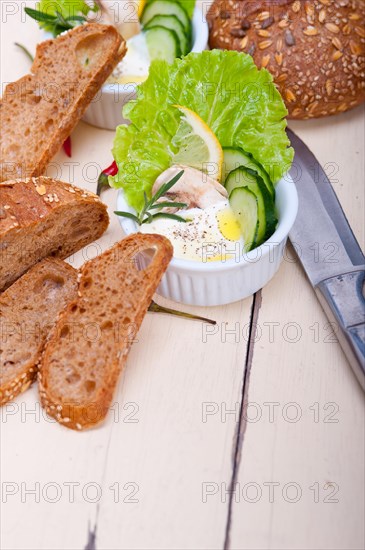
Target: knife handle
[(343, 301)]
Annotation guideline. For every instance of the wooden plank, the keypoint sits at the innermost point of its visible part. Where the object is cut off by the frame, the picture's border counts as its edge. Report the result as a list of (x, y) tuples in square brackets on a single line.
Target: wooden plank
[(179, 443), (300, 370), (166, 455)]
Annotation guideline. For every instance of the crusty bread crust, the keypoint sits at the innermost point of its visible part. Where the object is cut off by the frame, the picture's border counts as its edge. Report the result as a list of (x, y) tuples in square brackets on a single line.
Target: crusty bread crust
[(39, 111), (78, 374), (42, 217), (28, 310), (315, 49)]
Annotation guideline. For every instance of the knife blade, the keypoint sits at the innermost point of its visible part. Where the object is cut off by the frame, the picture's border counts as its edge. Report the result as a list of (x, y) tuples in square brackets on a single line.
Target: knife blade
[(330, 254)]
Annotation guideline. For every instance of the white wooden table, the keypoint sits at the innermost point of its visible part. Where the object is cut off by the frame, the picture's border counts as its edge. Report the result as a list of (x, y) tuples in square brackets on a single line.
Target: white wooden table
[(249, 436)]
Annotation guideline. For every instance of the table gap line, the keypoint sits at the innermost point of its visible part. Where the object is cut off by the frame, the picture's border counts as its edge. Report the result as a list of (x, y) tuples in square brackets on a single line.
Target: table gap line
[(242, 423), (92, 529), (91, 535)]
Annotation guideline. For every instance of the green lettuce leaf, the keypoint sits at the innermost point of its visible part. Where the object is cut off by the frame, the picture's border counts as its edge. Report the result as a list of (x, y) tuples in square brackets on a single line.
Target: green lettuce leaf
[(188, 5), (236, 100)]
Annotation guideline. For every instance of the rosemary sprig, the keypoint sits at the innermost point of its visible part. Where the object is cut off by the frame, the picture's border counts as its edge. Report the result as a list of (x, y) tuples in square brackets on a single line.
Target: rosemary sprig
[(145, 215), (156, 308), (168, 204), (25, 50), (58, 22), (167, 215), (128, 215), (39, 15)]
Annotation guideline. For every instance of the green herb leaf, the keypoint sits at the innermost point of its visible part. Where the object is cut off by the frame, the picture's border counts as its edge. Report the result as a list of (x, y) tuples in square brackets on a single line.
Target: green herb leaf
[(156, 308), (127, 215), (61, 21), (57, 16), (76, 18), (169, 204), (95, 8), (166, 187), (24, 49), (145, 215), (40, 15), (58, 29), (145, 207), (148, 218)]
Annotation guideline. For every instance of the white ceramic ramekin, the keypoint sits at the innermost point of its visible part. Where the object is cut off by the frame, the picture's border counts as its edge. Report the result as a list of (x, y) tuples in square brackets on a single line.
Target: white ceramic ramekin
[(105, 111), (217, 283)]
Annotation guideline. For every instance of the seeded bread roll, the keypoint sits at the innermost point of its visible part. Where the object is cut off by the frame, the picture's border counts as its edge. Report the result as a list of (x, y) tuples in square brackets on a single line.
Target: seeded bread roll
[(314, 49)]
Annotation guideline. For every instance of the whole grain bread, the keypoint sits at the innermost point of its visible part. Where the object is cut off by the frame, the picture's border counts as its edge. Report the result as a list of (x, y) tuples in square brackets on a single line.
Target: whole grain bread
[(39, 111), (28, 310), (315, 49), (90, 343), (42, 217)]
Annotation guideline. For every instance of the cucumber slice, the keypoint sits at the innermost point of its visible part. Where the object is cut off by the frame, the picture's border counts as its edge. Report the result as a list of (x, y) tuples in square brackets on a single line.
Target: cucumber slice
[(166, 7), (242, 177), (245, 177), (162, 43), (173, 23), (244, 205), (233, 157)]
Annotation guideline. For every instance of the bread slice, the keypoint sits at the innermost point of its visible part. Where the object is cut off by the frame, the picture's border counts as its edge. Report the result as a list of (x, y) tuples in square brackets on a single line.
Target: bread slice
[(39, 111), (42, 217), (28, 309), (90, 343)]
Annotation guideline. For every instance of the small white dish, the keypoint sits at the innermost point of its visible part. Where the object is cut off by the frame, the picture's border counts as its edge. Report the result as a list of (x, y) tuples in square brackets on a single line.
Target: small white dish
[(217, 283), (105, 111)]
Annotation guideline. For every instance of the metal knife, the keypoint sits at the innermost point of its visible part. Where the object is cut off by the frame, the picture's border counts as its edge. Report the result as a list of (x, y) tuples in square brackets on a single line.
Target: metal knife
[(330, 254)]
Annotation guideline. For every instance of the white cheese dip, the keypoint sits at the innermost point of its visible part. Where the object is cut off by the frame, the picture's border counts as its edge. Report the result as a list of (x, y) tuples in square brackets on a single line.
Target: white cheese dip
[(211, 234), (135, 65)]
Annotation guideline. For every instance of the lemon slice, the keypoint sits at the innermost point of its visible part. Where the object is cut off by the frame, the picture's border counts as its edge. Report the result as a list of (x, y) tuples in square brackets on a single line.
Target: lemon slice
[(129, 79), (197, 145), (141, 5)]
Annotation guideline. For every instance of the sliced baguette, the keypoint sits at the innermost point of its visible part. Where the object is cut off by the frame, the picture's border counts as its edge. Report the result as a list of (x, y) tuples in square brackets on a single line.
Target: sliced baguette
[(90, 343), (42, 217), (39, 111), (28, 310)]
